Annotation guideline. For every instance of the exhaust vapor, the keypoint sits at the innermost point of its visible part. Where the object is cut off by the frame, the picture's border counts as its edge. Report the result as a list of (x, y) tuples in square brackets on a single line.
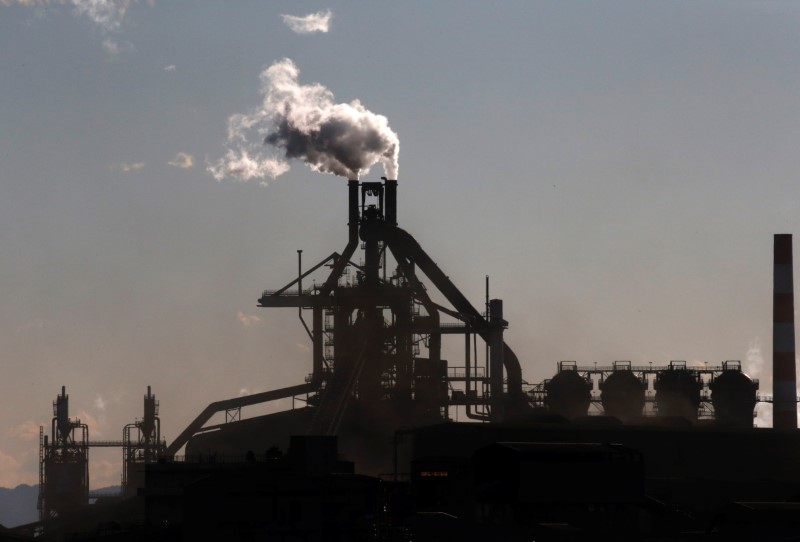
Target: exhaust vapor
[(303, 122)]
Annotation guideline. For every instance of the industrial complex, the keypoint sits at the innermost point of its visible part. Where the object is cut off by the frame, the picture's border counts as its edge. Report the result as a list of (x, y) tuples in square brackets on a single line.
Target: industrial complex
[(371, 449)]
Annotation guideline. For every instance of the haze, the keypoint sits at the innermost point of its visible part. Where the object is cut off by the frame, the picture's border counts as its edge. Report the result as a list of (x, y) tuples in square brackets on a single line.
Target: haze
[(617, 168)]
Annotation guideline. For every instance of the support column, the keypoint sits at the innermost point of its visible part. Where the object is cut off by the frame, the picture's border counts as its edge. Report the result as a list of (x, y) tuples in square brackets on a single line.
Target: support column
[(496, 348)]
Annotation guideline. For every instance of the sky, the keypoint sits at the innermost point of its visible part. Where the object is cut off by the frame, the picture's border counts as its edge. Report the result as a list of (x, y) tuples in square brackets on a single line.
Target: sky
[(617, 168)]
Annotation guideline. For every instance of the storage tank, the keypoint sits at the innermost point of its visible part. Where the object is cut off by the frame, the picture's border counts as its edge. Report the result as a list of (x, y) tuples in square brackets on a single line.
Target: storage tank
[(733, 395), (678, 391), (568, 393), (623, 393)]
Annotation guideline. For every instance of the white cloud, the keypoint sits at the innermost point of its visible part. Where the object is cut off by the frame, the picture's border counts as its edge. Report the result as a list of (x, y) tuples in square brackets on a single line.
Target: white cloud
[(99, 403), (182, 160), (170, 68), (247, 320), (307, 24)]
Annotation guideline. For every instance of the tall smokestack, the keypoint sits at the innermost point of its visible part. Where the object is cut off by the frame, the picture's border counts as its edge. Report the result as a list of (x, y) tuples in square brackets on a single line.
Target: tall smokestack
[(784, 379)]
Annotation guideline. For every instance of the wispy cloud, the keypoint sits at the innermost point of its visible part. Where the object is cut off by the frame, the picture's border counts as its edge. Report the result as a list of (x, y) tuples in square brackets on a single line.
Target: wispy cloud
[(36, 323), (26, 431), (127, 167), (183, 160), (9, 467), (108, 15), (307, 24), (247, 320), (91, 422), (99, 403), (170, 68), (104, 472)]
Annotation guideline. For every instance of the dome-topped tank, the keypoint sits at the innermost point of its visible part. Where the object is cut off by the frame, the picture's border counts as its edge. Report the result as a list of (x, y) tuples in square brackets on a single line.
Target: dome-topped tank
[(568, 393), (623, 393), (678, 391), (733, 395)]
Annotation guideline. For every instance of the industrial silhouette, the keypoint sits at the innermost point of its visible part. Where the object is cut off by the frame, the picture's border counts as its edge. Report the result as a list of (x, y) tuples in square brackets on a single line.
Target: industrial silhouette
[(373, 452)]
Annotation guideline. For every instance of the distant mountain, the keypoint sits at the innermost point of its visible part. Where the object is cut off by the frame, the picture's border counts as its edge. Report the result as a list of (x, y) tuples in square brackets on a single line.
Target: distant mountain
[(18, 505)]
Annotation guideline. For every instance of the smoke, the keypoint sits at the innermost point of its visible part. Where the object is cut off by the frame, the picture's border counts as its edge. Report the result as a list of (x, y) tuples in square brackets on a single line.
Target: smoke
[(313, 22), (754, 366), (238, 164), (303, 122)]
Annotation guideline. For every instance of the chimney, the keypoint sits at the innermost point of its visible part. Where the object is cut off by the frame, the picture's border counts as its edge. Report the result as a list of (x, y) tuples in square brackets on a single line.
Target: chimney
[(391, 203), (784, 380), (352, 186)]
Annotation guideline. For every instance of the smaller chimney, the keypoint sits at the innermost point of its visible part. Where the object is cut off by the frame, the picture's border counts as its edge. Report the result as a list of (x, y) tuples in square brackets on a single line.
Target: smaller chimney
[(784, 379)]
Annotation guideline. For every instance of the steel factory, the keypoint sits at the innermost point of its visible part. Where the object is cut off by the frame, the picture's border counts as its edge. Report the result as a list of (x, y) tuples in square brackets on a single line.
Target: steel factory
[(415, 422)]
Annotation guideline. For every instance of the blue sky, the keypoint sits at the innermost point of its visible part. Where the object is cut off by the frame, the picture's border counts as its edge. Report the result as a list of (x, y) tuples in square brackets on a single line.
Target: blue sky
[(618, 168)]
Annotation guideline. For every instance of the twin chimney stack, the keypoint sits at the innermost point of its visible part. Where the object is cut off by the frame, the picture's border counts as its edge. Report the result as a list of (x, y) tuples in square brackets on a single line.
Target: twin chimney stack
[(784, 378)]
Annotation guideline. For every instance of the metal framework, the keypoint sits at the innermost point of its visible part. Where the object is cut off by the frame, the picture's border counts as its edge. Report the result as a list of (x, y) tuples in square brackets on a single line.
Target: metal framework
[(63, 463), (141, 443), (369, 331), (376, 334)]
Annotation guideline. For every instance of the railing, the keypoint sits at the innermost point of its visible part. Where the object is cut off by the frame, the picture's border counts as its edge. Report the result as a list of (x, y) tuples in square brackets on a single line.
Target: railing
[(461, 372), (288, 293), (769, 399)]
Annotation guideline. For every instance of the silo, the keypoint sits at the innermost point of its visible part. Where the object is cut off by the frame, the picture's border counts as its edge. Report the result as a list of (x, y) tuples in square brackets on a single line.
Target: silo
[(733, 395), (568, 393), (623, 393), (678, 391)]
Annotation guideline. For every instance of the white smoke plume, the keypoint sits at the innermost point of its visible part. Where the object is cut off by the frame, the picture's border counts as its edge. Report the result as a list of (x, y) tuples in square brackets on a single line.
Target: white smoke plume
[(304, 122), (238, 164), (754, 366), (313, 22)]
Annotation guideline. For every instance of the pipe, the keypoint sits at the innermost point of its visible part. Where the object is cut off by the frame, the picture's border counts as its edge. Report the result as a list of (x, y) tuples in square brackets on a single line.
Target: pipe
[(784, 376)]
